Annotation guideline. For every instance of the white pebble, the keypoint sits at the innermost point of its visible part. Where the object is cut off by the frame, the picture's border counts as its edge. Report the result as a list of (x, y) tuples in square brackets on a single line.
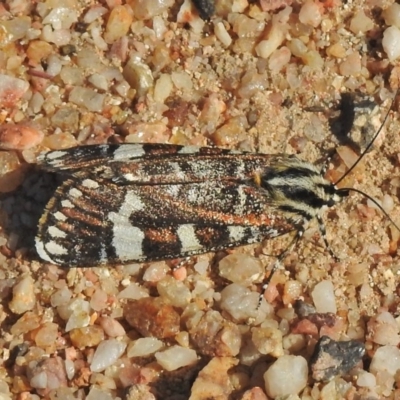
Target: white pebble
[(99, 81), (277, 382), (143, 347), (133, 291), (80, 314), (241, 268), (61, 297), (176, 357), (240, 302), (222, 34), (360, 23), (61, 18), (366, 379), (24, 298), (106, 354), (386, 358), (310, 14), (392, 15), (174, 292), (94, 13), (99, 394), (391, 42), (39, 381), (163, 88), (324, 297), (182, 80), (87, 98)]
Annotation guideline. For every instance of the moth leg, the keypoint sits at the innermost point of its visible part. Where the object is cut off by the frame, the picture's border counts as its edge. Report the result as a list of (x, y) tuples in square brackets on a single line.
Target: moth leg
[(322, 229), (299, 233)]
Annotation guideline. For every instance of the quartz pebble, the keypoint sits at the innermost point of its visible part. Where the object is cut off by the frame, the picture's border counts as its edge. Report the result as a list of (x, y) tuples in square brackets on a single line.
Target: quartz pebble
[(240, 302), (324, 297), (383, 329), (106, 354), (241, 268), (385, 359), (176, 357), (276, 379), (19, 136), (214, 335), (24, 298), (11, 90), (213, 380), (47, 375), (391, 42), (144, 347)]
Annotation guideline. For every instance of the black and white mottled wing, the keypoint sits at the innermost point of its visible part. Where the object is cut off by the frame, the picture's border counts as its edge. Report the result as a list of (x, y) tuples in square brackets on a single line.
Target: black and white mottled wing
[(87, 223), (156, 164)]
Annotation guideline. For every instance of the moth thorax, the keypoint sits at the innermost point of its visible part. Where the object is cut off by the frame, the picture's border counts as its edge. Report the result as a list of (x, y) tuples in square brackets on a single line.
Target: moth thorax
[(299, 188)]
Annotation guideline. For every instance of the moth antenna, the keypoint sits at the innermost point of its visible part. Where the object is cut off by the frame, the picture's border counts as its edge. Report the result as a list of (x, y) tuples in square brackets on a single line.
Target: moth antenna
[(371, 142), (374, 201)]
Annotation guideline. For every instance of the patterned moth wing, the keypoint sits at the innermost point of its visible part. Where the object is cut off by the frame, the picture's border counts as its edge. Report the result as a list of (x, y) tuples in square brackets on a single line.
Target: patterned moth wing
[(132, 202), (156, 163), (87, 223)]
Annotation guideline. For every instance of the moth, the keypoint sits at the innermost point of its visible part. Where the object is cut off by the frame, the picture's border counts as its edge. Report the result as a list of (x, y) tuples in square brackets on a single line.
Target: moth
[(122, 203)]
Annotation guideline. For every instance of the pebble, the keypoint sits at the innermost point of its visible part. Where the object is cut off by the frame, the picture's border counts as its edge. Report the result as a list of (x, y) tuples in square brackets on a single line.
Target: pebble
[(47, 375), (96, 393), (88, 336), (241, 303), (241, 268), (176, 357), (276, 379), (310, 13), (11, 175), (144, 347), (118, 23), (383, 329), (351, 65), (146, 9), (46, 335), (222, 34), (139, 76), (111, 327), (87, 98), (11, 90), (267, 341), (79, 314), (23, 298), (174, 292), (214, 335), (151, 316), (19, 136), (29, 321), (213, 381), (386, 359), (391, 15), (324, 297), (331, 358), (360, 23), (391, 42), (106, 354)]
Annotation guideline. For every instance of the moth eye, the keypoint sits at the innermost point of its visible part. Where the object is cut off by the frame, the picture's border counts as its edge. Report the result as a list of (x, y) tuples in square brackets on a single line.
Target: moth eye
[(331, 202)]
